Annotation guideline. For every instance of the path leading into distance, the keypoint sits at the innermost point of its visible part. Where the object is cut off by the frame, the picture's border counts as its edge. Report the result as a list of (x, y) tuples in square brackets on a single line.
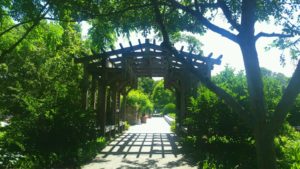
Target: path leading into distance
[(150, 145)]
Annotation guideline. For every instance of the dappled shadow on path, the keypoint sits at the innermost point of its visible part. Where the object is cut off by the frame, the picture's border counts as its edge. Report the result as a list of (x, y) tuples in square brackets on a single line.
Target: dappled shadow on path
[(143, 144), (150, 145), (154, 163)]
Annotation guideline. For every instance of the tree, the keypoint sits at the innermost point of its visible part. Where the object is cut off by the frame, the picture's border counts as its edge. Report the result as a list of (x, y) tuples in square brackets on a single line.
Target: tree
[(161, 96), (28, 14), (211, 120), (146, 85), (140, 101), (40, 90), (265, 123)]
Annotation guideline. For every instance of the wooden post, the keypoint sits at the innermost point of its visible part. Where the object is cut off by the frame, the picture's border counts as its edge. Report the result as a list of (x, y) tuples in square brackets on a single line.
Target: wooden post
[(209, 68), (182, 102), (118, 105), (113, 104), (123, 106), (108, 106), (118, 116), (101, 112), (93, 92), (85, 87), (178, 108), (148, 57)]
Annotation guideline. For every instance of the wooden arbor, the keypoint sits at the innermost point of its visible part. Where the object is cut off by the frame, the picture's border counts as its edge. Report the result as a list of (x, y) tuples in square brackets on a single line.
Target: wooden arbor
[(115, 72)]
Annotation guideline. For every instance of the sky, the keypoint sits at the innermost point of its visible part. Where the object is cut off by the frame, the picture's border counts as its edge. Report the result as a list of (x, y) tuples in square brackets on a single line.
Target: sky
[(218, 45)]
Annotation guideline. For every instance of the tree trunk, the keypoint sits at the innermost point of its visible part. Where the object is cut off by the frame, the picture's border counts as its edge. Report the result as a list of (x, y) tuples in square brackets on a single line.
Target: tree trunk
[(265, 149), (253, 74), (264, 139)]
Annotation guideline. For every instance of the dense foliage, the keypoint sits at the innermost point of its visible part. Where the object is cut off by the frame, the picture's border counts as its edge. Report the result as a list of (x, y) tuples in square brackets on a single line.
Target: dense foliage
[(169, 108), (146, 84), (151, 96), (139, 101), (40, 91), (288, 146), (161, 96), (219, 139)]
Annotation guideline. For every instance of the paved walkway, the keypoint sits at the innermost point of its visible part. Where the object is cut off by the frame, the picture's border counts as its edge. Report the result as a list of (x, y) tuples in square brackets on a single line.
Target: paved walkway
[(150, 145)]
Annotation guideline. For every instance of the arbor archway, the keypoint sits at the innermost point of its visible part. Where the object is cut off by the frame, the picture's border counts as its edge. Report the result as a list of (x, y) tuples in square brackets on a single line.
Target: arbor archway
[(115, 72)]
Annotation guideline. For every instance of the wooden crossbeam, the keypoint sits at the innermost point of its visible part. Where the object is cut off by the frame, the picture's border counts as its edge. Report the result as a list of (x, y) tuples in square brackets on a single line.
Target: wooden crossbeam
[(144, 59), (157, 50), (143, 62), (110, 53)]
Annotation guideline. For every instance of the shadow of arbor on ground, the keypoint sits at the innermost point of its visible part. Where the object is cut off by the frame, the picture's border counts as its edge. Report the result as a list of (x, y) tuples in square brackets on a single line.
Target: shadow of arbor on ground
[(149, 148), (143, 144)]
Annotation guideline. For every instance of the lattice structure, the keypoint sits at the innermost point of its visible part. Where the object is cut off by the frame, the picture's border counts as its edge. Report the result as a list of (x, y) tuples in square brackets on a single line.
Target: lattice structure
[(116, 72), (144, 59)]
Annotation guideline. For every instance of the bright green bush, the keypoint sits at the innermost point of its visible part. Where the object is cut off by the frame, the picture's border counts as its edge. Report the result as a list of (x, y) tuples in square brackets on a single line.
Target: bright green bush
[(288, 148), (161, 96), (41, 90), (169, 108), (173, 126), (172, 115), (127, 125), (2, 134), (146, 85), (139, 101)]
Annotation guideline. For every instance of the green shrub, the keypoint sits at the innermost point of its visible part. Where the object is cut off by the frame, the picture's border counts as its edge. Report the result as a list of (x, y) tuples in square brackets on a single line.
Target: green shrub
[(169, 108), (127, 125), (140, 101), (294, 114), (42, 92), (172, 115), (53, 139), (161, 96), (288, 148), (220, 139), (173, 126)]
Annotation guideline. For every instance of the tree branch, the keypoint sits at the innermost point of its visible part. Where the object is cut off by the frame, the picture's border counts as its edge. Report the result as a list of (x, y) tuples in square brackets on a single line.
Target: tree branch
[(206, 81), (160, 23), (287, 100), (197, 7), (56, 19), (228, 15), (12, 47), (36, 22), (120, 12), (204, 21), (22, 23), (14, 26), (279, 35)]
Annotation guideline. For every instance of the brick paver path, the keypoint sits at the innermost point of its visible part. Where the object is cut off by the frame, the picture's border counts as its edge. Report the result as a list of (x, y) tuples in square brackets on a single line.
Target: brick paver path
[(150, 145)]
